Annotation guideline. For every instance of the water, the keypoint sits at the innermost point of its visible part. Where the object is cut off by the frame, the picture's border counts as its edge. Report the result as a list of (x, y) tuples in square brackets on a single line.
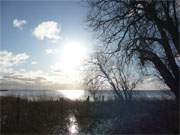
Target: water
[(73, 125), (83, 94), (44, 94)]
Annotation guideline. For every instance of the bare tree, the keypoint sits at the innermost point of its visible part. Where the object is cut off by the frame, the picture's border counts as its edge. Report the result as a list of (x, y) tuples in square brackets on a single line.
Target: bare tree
[(93, 80), (145, 30), (109, 70)]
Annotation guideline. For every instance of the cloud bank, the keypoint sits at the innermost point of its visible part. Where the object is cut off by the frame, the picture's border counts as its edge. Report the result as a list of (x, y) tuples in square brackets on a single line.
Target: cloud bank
[(13, 78), (8, 59)]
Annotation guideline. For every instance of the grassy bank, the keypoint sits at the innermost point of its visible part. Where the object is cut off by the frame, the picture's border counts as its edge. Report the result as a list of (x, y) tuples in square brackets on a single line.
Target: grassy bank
[(112, 117)]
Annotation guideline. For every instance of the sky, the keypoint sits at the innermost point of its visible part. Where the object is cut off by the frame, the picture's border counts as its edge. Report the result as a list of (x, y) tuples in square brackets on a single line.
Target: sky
[(43, 44), (38, 39)]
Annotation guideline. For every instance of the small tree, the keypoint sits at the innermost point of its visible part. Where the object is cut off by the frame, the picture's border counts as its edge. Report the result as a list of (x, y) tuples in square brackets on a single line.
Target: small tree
[(109, 70), (93, 81)]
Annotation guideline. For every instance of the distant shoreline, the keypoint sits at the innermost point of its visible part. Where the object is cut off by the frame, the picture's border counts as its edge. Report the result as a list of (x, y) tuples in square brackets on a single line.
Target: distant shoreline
[(79, 89), (3, 90)]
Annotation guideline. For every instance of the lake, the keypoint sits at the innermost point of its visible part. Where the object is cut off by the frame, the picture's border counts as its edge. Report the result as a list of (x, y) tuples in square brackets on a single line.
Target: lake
[(83, 94)]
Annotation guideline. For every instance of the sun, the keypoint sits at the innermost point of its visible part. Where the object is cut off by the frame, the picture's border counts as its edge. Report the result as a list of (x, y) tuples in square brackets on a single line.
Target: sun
[(70, 60), (72, 56)]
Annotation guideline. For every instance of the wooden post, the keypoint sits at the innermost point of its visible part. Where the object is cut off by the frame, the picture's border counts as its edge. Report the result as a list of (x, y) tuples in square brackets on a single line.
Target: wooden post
[(18, 114)]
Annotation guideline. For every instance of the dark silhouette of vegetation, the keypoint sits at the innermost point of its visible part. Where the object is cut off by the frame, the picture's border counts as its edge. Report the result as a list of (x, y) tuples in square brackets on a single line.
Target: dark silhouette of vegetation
[(144, 30), (139, 116), (22, 116)]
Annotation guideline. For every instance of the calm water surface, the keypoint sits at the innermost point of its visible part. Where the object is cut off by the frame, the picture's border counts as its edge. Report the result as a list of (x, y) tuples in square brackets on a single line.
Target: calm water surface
[(83, 94)]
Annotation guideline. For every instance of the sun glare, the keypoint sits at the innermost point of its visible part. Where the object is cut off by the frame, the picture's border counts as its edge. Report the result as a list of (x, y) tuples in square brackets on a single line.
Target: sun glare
[(72, 56), (72, 94)]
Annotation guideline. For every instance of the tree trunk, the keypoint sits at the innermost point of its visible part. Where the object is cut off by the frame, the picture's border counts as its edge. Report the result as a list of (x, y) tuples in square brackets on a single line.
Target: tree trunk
[(170, 80)]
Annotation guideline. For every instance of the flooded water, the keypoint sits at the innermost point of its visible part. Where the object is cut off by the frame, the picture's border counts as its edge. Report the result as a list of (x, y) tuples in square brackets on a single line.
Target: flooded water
[(73, 125)]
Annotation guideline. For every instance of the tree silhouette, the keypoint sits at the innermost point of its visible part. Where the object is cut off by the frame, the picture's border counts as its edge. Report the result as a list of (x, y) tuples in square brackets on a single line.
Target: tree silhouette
[(110, 71), (147, 31)]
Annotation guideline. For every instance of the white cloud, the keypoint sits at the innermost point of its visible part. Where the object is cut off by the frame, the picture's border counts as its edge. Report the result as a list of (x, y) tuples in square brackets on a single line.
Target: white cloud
[(19, 23), (50, 51), (34, 62), (47, 30)]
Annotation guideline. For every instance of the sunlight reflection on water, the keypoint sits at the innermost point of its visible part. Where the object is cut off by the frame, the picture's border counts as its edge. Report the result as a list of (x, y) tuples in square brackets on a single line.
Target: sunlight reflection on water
[(72, 94), (73, 126)]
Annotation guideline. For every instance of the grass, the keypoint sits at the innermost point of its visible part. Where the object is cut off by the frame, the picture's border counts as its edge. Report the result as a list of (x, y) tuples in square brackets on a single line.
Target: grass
[(22, 116)]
